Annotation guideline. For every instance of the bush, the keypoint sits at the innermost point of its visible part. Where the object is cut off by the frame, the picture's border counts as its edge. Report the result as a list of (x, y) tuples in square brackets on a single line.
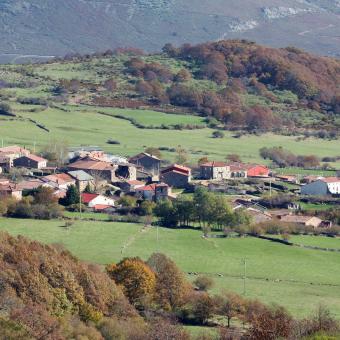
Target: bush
[(204, 283), (113, 142), (218, 134)]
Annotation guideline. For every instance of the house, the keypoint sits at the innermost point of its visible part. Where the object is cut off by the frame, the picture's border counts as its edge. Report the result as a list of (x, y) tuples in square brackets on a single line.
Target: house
[(155, 191), (105, 170), (147, 162), (244, 170), (30, 161), (287, 178), (82, 178), (96, 201), (59, 181), (322, 187), (31, 184), (215, 170), (177, 176), (307, 221), (130, 186), (10, 189), (9, 153)]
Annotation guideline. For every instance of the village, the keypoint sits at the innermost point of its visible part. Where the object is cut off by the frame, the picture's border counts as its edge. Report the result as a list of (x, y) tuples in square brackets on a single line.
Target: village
[(106, 182)]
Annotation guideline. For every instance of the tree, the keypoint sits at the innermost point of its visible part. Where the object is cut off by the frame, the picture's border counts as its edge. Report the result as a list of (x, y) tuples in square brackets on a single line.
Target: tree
[(110, 85), (270, 323), (147, 207), (203, 307), (44, 196), (136, 278), (5, 110), (204, 283), (183, 75), (182, 156), (56, 151), (231, 305), (154, 151), (72, 196), (127, 201), (233, 157), (203, 160), (171, 287)]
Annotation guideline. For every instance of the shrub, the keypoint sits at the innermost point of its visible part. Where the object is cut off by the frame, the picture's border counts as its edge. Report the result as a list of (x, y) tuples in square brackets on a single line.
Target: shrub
[(204, 283)]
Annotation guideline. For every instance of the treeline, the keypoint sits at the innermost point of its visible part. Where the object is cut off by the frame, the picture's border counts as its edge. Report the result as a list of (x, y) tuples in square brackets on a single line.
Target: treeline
[(46, 293), (284, 158), (158, 287), (310, 77), (41, 204), (206, 209)]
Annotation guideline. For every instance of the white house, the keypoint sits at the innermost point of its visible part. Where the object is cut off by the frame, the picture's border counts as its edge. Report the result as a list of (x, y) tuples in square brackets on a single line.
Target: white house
[(96, 201), (322, 187)]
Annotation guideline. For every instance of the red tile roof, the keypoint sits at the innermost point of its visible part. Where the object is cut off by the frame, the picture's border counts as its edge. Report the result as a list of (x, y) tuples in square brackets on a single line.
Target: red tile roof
[(177, 168), (36, 158), (60, 178), (152, 187), (330, 179), (215, 164), (87, 198), (91, 164), (100, 207)]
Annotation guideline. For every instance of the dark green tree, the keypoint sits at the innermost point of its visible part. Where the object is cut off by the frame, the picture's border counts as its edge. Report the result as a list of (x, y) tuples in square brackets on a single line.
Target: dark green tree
[(72, 196)]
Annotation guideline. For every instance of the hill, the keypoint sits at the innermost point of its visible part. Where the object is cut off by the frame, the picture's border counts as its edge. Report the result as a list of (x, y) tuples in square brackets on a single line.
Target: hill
[(182, 94), (46, 293), (87, 26)]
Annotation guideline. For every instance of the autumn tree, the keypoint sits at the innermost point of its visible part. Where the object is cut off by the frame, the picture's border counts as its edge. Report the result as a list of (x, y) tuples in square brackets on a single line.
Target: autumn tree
[(136, 278), (204, 283), (231, 305), (154, 151), (182, 156), (171, 287)]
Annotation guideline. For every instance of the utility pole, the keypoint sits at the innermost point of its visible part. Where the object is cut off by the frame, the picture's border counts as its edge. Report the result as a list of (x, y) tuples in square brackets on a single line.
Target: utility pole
[(244, 275), (157, 233), (80, 203), (270, 187), (34, 146)]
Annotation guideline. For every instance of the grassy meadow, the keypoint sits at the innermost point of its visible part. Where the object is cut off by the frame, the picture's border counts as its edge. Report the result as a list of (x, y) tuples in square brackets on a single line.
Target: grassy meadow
[(86, 126), (297, 278)]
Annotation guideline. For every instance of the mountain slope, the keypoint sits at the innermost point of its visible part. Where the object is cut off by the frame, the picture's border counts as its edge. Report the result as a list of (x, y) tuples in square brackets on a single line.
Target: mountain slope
[(50, 27)]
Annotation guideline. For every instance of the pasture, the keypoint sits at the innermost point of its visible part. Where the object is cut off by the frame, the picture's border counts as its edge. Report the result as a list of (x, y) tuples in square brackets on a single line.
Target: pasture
[(85, 126), (300, 279)]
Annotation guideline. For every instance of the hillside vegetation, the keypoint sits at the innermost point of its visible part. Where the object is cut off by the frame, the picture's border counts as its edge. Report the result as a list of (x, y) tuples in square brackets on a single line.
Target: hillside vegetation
[(87, 26)]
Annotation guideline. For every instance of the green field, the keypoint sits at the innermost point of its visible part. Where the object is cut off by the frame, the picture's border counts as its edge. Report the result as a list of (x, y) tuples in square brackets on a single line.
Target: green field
[(88, 127), (297, 278)]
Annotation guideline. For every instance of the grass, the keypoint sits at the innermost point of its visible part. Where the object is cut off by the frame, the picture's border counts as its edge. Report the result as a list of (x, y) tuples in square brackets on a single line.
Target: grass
[(87, 127), (297, 278), (314, 207)]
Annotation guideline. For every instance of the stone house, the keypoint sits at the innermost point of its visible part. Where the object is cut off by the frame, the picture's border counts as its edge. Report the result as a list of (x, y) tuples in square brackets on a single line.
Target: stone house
[(177, 176)]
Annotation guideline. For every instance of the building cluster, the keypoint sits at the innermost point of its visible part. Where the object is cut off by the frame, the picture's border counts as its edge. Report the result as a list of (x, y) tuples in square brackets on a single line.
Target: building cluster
[(103, 178)]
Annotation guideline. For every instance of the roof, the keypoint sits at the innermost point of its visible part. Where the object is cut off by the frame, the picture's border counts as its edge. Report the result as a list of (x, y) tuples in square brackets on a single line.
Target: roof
[(100, 207), (235, 166), (330, 180), (60, 178), (13, 149), (135, 182), (35, 158), (178, 169), (9, 187), (91, 164), (30, 184), (152, 187), (296, 218), (215, 164), (80, 175), (141, 155), (87, 198)]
